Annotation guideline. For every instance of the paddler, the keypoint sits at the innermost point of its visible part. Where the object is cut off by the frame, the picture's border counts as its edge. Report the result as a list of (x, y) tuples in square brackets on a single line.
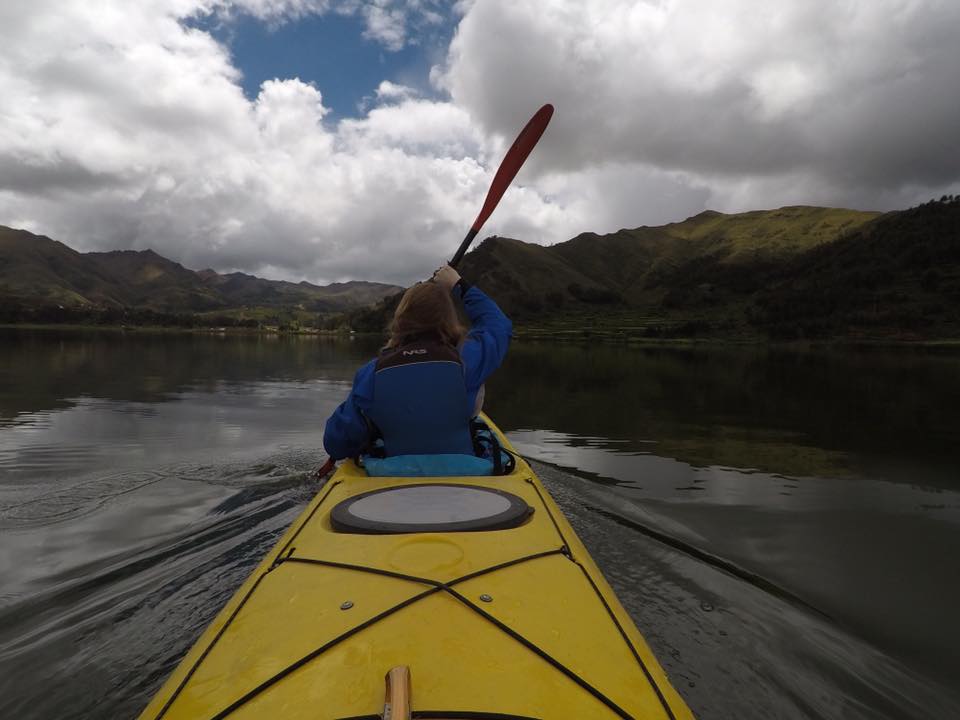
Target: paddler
[(420, 394)]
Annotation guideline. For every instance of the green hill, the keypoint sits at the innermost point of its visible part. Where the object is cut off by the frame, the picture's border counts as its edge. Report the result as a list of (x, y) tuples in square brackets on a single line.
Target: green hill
[(241, 289), (898, 277), (792, 273), (146, 279), (795, 272), (42, 280), (44, 271), (649, 267)]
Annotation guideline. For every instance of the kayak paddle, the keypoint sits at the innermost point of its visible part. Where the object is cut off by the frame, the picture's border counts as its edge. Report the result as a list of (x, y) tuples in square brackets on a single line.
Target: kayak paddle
[(509, 167)]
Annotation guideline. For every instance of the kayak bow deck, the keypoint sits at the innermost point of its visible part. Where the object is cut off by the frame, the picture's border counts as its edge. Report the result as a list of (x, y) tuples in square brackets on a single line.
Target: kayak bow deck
[(506, 623)]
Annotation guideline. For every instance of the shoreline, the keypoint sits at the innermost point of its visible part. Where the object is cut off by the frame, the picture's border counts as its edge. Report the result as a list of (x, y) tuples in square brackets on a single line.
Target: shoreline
[(165, 329), (521, 334)]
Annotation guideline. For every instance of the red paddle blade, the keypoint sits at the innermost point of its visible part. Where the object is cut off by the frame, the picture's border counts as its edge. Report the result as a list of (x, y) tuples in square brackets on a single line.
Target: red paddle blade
[(325, 469), (512, 162)]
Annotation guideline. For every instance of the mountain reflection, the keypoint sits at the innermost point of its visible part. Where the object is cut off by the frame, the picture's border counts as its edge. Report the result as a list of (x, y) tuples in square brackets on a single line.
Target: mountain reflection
[(46, 370), (826, 412)]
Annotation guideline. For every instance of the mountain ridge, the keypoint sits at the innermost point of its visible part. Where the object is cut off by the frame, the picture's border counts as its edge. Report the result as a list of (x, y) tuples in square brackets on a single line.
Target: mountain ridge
[(796, 272), (40, 277), (751, 275)]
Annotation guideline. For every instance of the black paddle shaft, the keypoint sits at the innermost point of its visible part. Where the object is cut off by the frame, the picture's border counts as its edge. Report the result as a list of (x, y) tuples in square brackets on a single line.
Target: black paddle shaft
[(464, 246)]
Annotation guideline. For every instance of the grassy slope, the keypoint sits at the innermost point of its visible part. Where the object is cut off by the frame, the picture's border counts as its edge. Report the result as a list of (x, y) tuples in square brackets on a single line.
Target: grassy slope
[(898, 277), (44, 270), (38, 272), (794, 272), (240, 289), (150, 280), (650, 269), (774, 233), (682, 278)]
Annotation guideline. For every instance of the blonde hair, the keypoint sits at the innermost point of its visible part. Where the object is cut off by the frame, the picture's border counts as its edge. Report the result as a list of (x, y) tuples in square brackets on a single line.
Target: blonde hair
[(426, 308)]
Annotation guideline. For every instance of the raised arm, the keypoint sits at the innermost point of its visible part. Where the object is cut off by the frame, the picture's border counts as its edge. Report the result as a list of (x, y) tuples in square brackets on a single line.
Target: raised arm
[(489, 336)]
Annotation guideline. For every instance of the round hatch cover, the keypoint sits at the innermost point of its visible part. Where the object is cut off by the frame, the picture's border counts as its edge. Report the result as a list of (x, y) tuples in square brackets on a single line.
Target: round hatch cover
[(429, 508)]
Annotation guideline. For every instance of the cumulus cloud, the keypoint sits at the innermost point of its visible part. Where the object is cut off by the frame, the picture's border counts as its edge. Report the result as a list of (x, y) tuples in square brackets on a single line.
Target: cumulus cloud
[(122, 127), (852, 95), (387, 91)]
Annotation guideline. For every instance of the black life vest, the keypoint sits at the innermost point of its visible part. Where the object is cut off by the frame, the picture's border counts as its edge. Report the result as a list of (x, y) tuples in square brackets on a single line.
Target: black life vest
[(420, 404)]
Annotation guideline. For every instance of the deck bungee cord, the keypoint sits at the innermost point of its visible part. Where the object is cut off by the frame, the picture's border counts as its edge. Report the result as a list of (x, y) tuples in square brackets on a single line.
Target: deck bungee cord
[(286, 556)]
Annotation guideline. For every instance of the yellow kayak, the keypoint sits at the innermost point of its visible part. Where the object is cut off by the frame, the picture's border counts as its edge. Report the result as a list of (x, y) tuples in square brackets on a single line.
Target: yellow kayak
[(494, 617)]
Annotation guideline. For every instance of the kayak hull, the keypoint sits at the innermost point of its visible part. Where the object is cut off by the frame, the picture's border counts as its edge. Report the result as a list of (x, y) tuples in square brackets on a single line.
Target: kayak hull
[(505, 623)]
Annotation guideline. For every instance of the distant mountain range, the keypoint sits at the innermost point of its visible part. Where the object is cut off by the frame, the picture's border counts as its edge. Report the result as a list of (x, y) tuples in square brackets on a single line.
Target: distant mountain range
[(795, 272), (42, 279), (792, 273)]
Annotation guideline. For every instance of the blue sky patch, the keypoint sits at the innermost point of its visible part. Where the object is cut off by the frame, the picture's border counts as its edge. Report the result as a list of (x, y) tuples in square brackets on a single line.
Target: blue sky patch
[(330, 52)]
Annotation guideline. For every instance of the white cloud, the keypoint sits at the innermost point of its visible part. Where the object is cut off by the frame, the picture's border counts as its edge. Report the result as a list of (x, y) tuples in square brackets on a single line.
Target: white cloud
[(855, 93), (386, 23), (387, 91), (121, 127)]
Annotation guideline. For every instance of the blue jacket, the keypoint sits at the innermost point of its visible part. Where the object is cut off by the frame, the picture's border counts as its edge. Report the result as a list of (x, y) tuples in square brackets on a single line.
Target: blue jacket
[(347, 433)]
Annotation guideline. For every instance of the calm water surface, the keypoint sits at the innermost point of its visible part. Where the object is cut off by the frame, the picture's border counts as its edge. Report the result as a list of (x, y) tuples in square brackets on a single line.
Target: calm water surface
[(782, 525)]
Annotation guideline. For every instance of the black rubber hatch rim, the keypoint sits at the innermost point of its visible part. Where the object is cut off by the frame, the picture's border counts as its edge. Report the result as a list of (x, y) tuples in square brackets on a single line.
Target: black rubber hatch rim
[(344, 521)]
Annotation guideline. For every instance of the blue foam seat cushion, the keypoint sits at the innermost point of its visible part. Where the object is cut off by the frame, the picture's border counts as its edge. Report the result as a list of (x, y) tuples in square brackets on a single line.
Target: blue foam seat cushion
[(428, 466)]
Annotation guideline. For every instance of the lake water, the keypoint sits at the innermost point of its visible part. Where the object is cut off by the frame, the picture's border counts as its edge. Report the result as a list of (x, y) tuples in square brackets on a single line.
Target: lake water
[(783, 525)]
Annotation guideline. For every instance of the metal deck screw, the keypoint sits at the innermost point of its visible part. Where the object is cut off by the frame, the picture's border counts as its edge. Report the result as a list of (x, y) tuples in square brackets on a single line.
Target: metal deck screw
[(486, 598), (346, 605)]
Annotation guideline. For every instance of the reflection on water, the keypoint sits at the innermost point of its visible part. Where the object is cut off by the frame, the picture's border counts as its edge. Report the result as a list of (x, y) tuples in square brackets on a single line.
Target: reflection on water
[(779, 523), (828, 413), (43, 371)]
